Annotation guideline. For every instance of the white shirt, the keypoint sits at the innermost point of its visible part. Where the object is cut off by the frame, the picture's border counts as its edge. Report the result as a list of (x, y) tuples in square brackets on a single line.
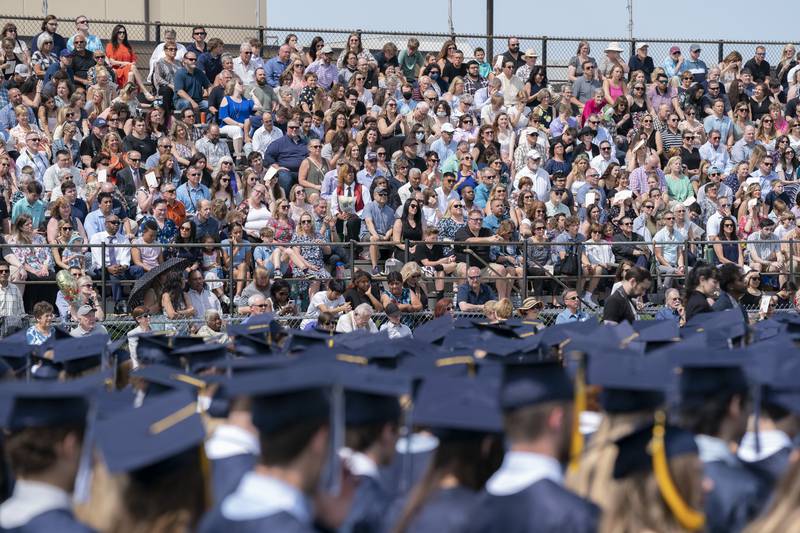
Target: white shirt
[(600, 164), (346, 324), (541, 182), (203, 301), (444, 200), (263, 138), (38, 161), (320, 298), (396, 331), (159, 54), (29, 500), (246, 73), (520, 470), (123, 255), (52, 182)]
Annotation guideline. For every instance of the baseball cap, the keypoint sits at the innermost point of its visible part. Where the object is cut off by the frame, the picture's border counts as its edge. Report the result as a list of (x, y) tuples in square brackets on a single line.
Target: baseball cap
[(326, 49), (371, 156), (448, 127), (640, 45), (673, 50), (694, 48), (531, 131), (99, 123), (85, 310), (65, 53), (22, 69), (534, 154), (530, 52)]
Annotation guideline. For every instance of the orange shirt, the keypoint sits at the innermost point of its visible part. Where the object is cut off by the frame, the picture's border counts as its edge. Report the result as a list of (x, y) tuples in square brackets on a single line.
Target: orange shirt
[(176, 212)]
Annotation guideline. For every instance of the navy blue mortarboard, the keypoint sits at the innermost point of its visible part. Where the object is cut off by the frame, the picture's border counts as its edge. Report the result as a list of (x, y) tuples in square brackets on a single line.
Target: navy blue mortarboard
[(706, 374), (284, 396), (161, 379), (532, 383), (451, 406), (768, 329), (156, 347), (631, 381), (300, 340), (435, 330), (372, 394), (259, 335), (76, 354), (558, 333), (635, 454), (197, 355), (16, 352), (47, 403), (156, 432), (720, 327)]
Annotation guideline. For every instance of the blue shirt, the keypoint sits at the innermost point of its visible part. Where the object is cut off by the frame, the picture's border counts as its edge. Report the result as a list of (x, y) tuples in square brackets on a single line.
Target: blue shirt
[(193, 84), (191, 196), (665, 313), (286, 152), (568, 316), (8, 119), (273, 69), (96, 222), (36, 211), (466, 294)]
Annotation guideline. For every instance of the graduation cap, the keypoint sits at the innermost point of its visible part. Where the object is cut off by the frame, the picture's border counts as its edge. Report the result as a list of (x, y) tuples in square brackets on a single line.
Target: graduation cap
[(631, 381), (768, 329), (15, 352), (558, 333), (434, 331), (153, 437), (300, 340), (721, 327), (162, 379), (261, 334), (372, 395), (657, 330), (156, 347), (532, 383), (47, 403), (649, 448), (455, 407), (709, 373), (192, 357), (76, 354)]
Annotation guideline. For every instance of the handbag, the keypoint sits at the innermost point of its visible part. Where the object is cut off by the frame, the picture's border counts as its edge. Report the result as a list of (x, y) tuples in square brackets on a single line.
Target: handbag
[(568, 266)]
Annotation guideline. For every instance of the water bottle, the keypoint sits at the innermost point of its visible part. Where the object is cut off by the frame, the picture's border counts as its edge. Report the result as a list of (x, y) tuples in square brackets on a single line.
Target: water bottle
[(339, 270)]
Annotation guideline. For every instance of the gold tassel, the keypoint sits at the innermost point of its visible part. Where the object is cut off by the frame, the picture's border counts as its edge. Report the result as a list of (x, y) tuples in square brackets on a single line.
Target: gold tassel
[(686, 516), (576, 443)]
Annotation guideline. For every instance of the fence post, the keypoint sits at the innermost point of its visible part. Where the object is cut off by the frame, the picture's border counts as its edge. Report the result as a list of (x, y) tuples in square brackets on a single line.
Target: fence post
[(791, 260), (158, 31), (544, 51), (103, 274), (633, 47), (405, 252), (579, 278), (261, 39), (720, 50), (232, 289), (524, 269)]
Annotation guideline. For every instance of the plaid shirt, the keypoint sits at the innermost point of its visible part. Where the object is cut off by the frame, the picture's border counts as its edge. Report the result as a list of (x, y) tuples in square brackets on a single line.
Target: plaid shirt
[(472, 86)]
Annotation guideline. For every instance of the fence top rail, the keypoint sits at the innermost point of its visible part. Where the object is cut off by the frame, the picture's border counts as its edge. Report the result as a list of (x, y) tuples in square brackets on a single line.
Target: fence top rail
[(419, 33), (393, 243)]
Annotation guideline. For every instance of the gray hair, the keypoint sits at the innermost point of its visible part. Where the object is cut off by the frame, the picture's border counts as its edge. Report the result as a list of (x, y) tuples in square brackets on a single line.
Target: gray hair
[(671, 292), (209, 314), (415, 172), (256, 299), (169, 34), (363, 310)]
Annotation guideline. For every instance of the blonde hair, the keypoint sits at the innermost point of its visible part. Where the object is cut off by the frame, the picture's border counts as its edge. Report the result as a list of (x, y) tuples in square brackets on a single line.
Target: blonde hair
[(411, 268), (504, 309)]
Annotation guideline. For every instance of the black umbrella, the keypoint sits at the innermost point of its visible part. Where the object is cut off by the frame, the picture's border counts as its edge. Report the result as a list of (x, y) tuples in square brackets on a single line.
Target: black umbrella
[(142, 284)]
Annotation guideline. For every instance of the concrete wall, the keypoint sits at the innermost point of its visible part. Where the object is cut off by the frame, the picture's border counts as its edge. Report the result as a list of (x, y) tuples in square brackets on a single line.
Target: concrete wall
[(227, 12)]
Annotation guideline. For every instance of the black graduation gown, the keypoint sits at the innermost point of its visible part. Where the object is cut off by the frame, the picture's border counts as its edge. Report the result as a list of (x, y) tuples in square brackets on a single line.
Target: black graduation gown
[(543, 507)]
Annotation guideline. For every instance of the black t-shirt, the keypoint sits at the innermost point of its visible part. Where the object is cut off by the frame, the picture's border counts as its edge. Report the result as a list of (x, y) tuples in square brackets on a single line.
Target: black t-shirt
[(355, 297), (451, 71), (759, 72), (90, 145), (481, 250), (82, 63), (146, 147), (690, 158), (434, 253), (619, 308), (697, 303), (215, 97)]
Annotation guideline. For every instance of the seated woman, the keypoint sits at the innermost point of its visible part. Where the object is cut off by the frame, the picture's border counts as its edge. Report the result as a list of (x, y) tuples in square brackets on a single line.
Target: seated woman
[(597, 261), (237, 255), (36, 263), (234, 114)]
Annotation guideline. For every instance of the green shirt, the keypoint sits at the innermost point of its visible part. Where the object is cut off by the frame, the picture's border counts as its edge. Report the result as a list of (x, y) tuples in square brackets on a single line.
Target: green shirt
[(679, 189), (35, 210)]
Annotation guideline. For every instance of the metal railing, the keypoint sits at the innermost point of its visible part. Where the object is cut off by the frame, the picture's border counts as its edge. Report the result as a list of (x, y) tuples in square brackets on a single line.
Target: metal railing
[(554, 52), (701, 249)]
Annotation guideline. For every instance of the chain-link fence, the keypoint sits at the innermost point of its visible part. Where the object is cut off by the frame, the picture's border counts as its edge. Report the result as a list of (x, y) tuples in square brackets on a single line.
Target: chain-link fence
[(554, 52)]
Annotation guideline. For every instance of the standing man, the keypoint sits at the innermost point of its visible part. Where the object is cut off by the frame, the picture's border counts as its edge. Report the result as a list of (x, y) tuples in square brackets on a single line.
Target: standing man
[(198, 44), (210, 61), (669, 249), (620, 305), (93, 42), (584, 86), (513, 55), (117, 260), (641, 61), (695, 65)]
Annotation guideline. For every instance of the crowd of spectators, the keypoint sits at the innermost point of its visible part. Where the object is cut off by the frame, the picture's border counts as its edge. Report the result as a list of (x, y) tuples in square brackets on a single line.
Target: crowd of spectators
[(435, 163)]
